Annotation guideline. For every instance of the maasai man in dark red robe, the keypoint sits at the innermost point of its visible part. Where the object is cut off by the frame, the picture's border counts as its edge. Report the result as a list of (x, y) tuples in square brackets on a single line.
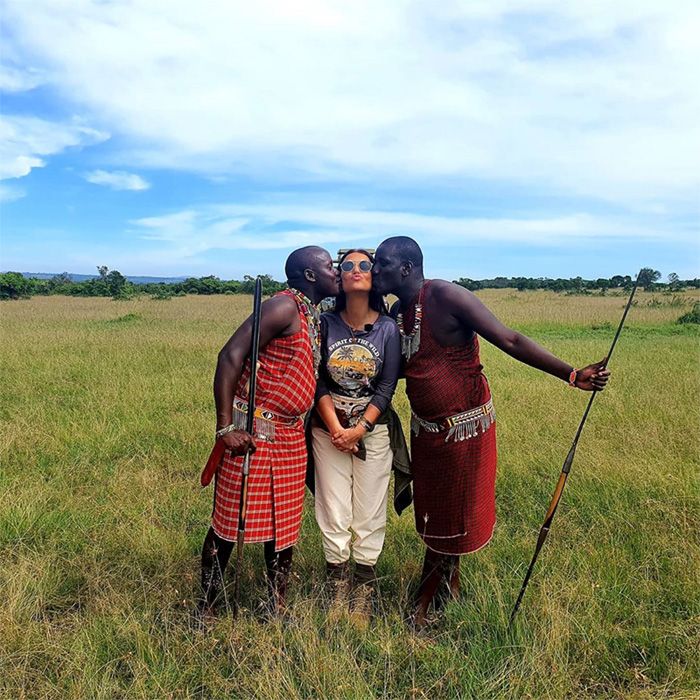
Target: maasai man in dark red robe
[(453, 436), (288, 362)]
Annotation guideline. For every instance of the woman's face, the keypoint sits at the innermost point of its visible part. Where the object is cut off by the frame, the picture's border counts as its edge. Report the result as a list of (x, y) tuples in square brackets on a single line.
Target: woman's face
[(356, 280)]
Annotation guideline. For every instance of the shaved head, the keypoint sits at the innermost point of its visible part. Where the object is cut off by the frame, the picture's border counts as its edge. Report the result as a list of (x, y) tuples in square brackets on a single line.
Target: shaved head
[(310, 270), (399, 266), (405, 249), (302, 258)]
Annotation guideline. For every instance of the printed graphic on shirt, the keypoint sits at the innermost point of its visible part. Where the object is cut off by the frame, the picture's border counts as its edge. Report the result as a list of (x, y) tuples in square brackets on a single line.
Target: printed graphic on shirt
[(352, 364)]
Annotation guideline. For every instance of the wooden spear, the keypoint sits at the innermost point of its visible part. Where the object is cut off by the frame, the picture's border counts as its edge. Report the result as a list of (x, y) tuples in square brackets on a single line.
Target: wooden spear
[(559, 490)]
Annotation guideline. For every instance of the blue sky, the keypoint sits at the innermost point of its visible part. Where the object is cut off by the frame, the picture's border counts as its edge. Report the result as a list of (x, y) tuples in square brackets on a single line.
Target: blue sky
[(533, 138)]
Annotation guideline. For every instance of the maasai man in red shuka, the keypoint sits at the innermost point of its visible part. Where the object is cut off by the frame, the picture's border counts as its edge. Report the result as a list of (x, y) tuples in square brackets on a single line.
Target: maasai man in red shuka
[(286, 383), (453, 429)]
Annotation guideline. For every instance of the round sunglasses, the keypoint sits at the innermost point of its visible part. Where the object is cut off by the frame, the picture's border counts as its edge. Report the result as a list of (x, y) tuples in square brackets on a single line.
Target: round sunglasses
[(349, 265)]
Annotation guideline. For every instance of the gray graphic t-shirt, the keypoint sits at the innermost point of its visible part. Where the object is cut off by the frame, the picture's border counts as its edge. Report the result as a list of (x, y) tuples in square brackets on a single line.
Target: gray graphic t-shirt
[(358, 368)]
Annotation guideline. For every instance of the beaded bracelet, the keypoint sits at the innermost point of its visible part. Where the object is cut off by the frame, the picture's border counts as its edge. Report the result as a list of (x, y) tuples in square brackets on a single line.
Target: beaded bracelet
[(225, 431), (572, 377)]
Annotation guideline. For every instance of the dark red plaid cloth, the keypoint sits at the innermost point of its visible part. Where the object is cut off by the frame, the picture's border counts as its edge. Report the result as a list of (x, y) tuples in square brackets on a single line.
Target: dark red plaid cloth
[(286, 385), (454, 482)]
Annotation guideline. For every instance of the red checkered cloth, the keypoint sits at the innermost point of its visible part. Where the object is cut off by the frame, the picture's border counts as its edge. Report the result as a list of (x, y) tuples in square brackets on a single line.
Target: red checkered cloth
[(453, 482), (286, 385)]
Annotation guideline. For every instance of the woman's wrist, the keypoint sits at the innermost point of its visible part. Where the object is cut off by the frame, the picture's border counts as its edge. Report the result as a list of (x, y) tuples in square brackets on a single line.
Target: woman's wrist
[(366, 424), (333, 425)]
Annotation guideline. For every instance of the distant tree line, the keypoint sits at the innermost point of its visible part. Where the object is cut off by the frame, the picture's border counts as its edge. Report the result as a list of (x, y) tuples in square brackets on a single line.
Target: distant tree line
[(111, 283), (648, 280)]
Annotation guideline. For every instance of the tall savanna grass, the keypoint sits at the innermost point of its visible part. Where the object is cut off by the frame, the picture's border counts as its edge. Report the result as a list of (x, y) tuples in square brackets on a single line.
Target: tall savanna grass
[(107, 417)]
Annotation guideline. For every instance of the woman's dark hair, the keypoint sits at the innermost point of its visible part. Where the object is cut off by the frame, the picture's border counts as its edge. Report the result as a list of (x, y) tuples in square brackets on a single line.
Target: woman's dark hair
[(376, 301)]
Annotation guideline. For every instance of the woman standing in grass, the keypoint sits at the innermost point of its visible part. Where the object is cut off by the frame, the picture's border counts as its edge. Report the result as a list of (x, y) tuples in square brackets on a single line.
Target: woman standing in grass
[(353, 457)]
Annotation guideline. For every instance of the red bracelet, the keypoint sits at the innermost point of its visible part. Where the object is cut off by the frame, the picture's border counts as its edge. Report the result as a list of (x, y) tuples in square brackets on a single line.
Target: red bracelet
[(572, 377)]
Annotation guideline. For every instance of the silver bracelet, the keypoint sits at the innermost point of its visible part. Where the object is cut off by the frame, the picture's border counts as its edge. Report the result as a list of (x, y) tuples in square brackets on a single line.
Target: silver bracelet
[(225, 431), (369, 427)]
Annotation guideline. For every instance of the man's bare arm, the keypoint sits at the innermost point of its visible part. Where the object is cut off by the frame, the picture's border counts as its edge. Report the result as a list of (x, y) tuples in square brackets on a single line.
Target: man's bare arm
[(469, 311), (278, 317)]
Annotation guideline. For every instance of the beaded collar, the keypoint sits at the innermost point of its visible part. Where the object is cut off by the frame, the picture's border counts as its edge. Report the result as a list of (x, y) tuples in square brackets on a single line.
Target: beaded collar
[(410, 342), (312, 315)]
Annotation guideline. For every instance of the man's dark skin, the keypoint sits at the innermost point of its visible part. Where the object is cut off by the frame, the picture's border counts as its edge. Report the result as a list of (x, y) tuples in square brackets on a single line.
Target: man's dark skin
[(311, 271), (314, 276), (461, 315)]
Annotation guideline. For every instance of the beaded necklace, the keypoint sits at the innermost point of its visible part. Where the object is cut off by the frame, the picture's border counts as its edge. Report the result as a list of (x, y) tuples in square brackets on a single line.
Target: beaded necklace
[(410, 342), (312, 315)]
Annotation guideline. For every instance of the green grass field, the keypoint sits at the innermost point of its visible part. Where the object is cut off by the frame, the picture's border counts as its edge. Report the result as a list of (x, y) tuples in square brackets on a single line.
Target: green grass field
[(106, 420)]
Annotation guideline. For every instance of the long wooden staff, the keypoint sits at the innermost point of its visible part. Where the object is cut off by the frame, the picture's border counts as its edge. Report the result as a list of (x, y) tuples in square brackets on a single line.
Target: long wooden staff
[(559, 490), (217, 452), (249, 426)]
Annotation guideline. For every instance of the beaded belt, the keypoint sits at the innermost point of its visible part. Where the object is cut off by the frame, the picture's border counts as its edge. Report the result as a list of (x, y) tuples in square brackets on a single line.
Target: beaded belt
[(264, 422), (460, 426)]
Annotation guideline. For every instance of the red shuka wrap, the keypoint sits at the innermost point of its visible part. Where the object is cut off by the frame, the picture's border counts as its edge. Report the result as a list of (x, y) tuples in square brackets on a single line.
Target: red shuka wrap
[(454, 482), (286, 385)]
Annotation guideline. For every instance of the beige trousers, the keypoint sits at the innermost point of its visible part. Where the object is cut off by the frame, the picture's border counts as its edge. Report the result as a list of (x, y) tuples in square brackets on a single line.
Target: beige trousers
[(351, 497)]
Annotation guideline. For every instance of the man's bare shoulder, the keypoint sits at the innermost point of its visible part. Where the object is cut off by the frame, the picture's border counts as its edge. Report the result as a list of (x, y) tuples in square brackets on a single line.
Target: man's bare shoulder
[(448, 293), (281, 301), (279, 314)]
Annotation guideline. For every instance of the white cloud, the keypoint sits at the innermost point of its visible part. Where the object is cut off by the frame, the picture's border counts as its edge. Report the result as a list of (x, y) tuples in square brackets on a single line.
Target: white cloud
[(585, 98), (10, 194), (26, 141), (16, 76), (193, 232), (14, 79), (233, 240), (117, 180)]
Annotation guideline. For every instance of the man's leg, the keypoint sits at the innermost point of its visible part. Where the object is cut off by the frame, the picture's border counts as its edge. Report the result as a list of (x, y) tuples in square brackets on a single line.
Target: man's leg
[(215, 555), (278, 566), (438, 569), (449, 586)]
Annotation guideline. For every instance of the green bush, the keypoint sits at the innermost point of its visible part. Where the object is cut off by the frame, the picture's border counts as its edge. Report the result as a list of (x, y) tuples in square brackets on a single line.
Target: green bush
[(124, 293), (14, 286), (693, 316), (162, 293)]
